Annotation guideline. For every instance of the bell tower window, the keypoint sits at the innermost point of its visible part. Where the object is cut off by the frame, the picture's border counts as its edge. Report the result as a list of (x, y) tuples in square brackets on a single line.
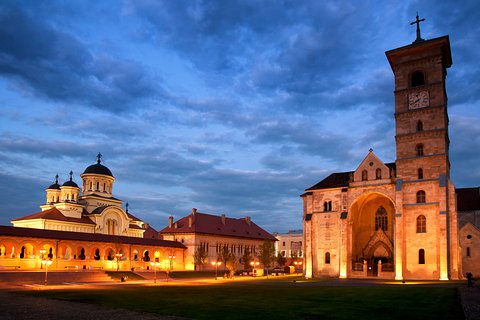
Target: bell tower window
[(418, 79), (419, 126), (419, 150), (420, 173)]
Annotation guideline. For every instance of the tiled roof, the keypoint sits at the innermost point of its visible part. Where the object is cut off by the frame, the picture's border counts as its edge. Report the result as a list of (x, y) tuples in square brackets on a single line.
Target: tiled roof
[(468, 199), (212, 224), (151, 233), (80, 236), (55, 214), (340, 179)]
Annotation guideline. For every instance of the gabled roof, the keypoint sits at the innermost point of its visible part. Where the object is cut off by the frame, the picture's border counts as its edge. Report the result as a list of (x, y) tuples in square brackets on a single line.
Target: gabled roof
[(212, 224), (339, 179), (468, 199), (55, 214), (81, 236)]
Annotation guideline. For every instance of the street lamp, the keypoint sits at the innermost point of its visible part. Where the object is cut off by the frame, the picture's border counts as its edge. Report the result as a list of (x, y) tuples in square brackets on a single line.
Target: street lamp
[(170, 259), (155, 265), (216, 264), (42, 256), (46, 263), (118, 256), (254, 264)]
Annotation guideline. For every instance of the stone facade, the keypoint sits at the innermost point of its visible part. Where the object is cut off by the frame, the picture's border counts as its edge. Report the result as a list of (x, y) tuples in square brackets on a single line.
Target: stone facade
[(395, 220)]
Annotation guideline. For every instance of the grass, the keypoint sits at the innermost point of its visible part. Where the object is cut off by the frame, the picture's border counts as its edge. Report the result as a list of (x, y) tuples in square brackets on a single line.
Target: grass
[(276, 300)]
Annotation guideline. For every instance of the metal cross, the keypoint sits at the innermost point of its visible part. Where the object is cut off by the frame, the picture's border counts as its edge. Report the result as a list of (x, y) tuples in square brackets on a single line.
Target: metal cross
[(417, 22), (99, 156)]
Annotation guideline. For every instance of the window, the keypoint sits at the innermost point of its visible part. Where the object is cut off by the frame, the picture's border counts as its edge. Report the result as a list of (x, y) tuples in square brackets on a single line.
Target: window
[(378, 173), (420, 173), (284, 243), (421, 224), (419, 125), (327, 206), (421, 196), (364, 175), (418, 79), (468, 251), (419, 150), (381, 219), (421, 256), (327, 257)]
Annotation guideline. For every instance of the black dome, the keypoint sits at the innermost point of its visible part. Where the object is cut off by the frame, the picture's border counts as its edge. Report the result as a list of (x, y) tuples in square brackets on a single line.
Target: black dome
[(54, 186), (98, 168), (70, 183)]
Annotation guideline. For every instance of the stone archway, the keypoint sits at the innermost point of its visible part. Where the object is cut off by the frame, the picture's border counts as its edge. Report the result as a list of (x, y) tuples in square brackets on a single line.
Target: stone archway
[(371, 226)]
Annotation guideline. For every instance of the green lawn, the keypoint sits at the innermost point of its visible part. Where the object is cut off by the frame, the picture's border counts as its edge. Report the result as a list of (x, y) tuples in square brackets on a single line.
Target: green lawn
[(276, 300)]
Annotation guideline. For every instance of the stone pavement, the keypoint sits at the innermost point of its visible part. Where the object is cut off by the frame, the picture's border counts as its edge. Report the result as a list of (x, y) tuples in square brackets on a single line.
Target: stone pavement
[(470, 298)]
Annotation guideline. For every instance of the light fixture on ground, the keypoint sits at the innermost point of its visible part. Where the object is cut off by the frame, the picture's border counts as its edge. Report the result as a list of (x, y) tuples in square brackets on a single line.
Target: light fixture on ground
[(298, 266), (216, 264)]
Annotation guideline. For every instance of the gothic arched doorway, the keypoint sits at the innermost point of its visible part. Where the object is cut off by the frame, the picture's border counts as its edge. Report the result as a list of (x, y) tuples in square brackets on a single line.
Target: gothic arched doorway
[(372, 221)]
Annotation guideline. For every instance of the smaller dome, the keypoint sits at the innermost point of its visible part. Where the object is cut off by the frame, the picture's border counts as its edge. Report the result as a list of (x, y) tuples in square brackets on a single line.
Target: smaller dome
[(55, 186), (70, 182), (98, 168)]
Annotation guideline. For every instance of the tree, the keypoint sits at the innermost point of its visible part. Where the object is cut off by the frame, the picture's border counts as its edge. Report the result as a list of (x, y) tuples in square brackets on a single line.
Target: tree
[(200, 256), (281, 260), (231, 264), (246, 258), (267, 254), (228, 258)]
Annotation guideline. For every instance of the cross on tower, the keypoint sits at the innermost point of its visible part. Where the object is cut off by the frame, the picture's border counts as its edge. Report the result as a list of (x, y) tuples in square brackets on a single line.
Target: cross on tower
[(417, 22), (99, 157)]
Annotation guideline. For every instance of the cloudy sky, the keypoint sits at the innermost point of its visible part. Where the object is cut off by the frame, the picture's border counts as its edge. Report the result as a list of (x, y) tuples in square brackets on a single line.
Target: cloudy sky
[(231, 107)]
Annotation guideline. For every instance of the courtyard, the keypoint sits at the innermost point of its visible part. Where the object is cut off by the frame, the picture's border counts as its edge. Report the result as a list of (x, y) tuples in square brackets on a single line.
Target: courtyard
[(288, 297)]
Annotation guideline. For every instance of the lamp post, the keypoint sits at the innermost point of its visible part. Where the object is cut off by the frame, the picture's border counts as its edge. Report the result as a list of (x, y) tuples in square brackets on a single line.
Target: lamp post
[(171, 258), (42, 256), (254, 264), (155, 265), (216, 264), (46, 263), (117, 257)]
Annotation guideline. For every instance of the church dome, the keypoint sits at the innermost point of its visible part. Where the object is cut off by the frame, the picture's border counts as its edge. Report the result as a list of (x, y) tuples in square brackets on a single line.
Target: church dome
[(55, 186), (98, 168), (70, 182)]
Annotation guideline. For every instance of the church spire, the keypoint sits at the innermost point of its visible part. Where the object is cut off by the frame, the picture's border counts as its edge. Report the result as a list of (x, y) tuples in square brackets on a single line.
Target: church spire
[(417, 22)]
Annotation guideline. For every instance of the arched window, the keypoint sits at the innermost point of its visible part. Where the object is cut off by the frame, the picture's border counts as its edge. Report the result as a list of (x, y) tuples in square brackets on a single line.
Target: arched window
[(468, 251), (421, 256), (146, 256), (327, 206), (381, 219), (421, 196), (378, 173), (97, 254), (419, 125), (421, 224), (364, 175), (327, 257), (91, 186), (420, 173), (418, 79), (98, 186), (419, 150)]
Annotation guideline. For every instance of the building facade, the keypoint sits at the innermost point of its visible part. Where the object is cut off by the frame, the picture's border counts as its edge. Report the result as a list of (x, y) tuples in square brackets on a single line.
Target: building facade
[(213, 233), (86, 229), (393, 220), (468, 206), (289, 245)]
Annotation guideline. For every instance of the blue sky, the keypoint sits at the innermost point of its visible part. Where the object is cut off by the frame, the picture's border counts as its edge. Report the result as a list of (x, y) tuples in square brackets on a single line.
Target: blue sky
[(231, 107)]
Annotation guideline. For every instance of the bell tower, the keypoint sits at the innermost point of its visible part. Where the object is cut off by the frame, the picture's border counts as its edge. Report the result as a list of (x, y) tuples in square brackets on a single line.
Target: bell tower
[(426, 218)]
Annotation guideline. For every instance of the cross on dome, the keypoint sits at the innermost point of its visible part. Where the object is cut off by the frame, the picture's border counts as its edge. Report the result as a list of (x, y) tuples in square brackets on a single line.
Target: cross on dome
[(71, 175), (99, 158)]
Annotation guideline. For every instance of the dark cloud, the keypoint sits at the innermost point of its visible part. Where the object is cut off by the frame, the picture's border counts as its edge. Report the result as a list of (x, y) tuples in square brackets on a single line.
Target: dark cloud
[(42, 61)]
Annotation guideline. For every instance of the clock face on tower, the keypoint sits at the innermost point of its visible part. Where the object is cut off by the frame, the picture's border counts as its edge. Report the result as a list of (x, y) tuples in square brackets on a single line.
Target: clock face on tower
[(418, 99)]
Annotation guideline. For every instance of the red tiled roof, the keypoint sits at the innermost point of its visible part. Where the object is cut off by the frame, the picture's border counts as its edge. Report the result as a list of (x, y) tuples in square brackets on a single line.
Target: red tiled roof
[(468, 199), (151, 233), (81, 236), (212, 224), (55, 214)]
